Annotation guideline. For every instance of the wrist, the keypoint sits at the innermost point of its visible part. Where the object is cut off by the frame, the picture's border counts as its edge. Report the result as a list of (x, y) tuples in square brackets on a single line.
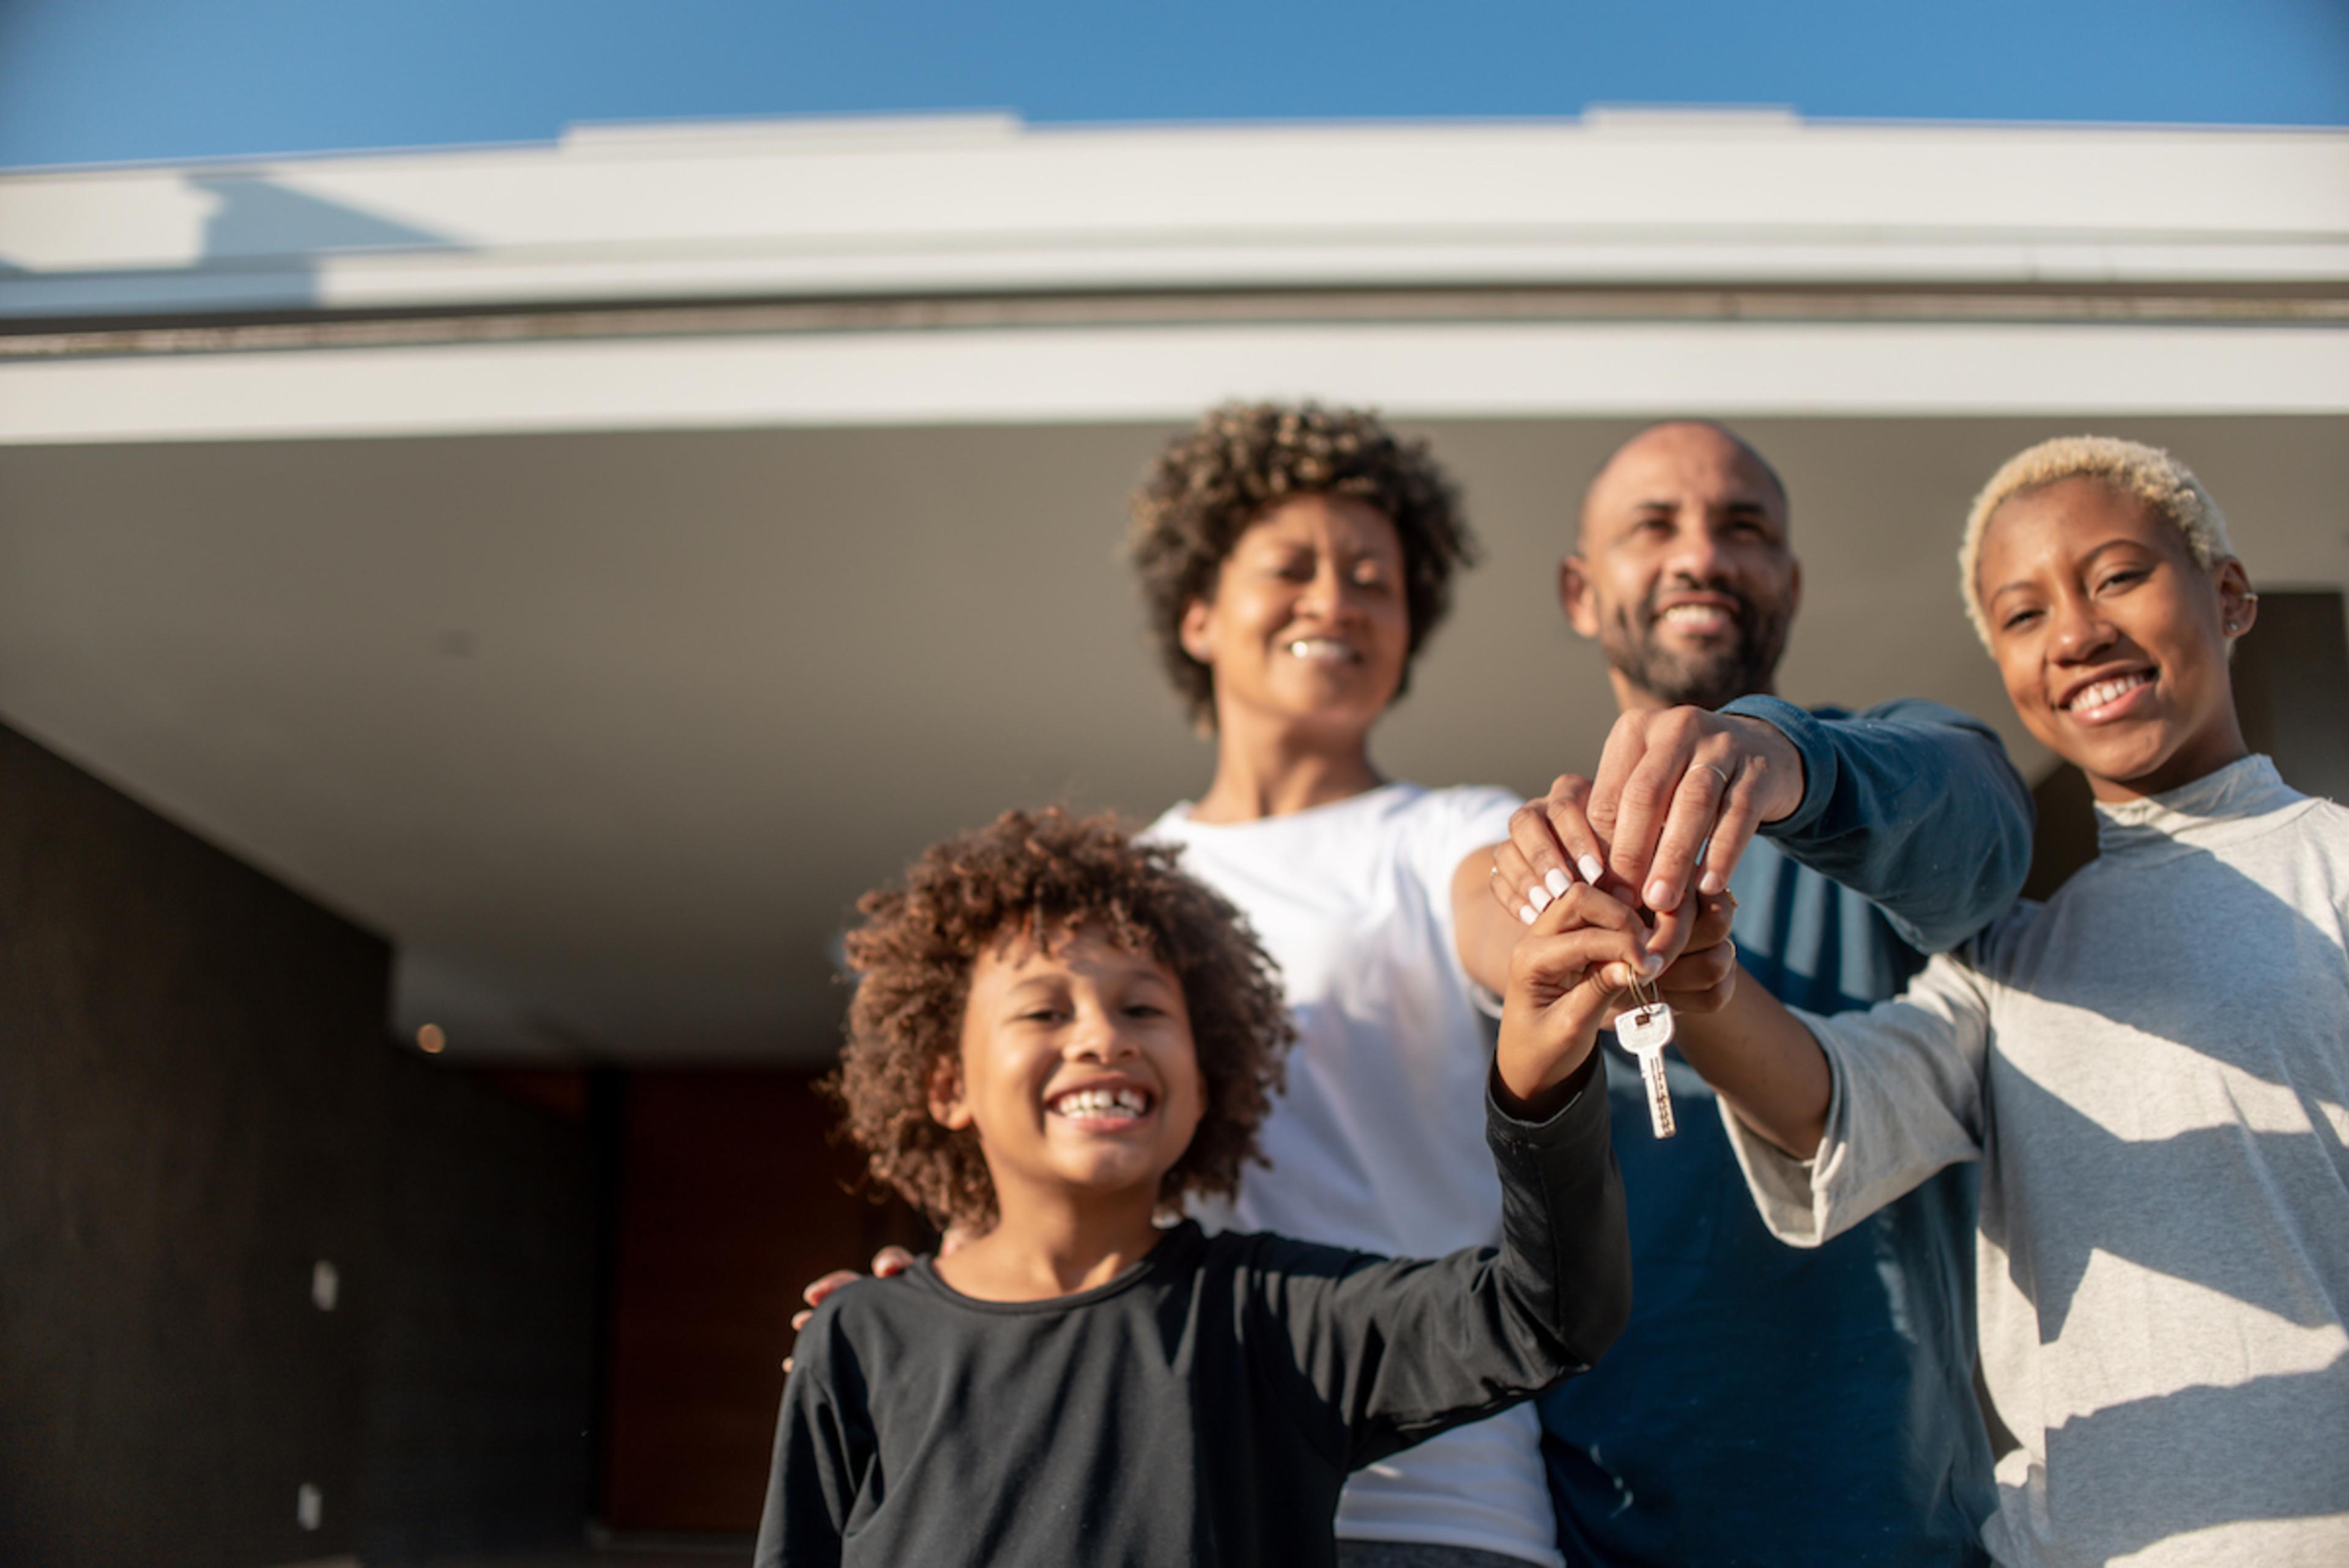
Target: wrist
[(1534, 1084), (1780, 761)]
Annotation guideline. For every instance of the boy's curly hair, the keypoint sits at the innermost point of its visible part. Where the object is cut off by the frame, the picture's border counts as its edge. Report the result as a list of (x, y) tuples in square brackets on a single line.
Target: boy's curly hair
[(1045, 875), (1210, 484)]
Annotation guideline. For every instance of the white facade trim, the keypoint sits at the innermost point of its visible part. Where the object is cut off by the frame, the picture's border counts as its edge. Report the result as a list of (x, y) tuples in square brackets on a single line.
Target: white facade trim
[(1105, 376), (962, 205)]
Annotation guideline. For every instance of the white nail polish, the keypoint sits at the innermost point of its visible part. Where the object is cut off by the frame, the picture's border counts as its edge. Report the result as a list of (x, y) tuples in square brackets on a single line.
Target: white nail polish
[(1526, 913), (1592, 868), (1538, 896), (1559, 882)]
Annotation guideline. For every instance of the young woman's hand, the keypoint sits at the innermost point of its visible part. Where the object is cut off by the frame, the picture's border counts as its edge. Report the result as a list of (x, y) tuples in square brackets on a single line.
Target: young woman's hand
[(888, 1261), (1705, 977)]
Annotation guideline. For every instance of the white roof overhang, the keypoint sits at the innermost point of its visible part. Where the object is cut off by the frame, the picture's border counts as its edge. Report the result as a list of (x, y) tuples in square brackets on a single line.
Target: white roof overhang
[(605, 686)]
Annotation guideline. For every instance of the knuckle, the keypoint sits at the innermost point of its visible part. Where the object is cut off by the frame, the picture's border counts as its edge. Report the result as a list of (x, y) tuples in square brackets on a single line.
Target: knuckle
[(1641, 795)]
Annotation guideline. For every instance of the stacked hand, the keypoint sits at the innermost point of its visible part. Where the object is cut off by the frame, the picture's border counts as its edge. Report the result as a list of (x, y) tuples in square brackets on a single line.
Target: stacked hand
[(1573, 971), (1674, 784)]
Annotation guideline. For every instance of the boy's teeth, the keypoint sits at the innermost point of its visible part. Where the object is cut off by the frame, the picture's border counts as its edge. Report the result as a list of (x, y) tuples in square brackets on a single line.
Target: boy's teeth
[(1100, 1102)]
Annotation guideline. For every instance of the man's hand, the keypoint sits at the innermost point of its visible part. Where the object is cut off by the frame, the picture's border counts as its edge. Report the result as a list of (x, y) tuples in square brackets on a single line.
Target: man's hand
[(1565, 975), (1671, 780)]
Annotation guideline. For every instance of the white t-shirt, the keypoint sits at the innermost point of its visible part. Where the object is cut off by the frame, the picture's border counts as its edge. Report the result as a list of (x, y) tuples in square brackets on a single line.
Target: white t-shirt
[(1379, 1142)]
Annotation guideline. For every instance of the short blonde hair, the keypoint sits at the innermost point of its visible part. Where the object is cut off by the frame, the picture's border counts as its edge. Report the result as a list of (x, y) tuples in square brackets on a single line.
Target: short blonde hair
[(2130, 468)]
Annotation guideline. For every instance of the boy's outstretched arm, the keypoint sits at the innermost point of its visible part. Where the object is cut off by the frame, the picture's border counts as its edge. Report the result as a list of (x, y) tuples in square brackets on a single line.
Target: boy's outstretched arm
[(1400, 1350)]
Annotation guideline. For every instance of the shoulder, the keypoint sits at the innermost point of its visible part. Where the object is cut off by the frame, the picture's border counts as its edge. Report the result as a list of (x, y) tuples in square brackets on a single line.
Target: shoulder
[(2001, 947), (1457, 818), (1173, 825), (2321, 831), (1266, 1263), (2326, 823), (870, 1316)]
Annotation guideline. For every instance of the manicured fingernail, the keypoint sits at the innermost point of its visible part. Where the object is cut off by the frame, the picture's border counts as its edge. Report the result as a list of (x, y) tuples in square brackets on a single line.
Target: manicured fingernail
[(1651, 962), (1659, 894), (1711, 882), (1538, 896), (1558, 882), (1526, 913), (1592, 868)]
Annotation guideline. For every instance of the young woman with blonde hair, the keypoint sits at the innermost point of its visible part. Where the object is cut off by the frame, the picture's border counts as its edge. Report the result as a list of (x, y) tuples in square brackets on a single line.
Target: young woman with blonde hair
[(2152, 1067)]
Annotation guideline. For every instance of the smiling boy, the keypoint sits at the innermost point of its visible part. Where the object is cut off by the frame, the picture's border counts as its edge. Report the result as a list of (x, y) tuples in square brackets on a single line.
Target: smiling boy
[(1057, 1038)]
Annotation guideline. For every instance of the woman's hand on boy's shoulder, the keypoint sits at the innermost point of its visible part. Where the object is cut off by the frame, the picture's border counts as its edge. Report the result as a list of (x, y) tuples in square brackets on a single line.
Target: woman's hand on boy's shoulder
[(888, 1261)]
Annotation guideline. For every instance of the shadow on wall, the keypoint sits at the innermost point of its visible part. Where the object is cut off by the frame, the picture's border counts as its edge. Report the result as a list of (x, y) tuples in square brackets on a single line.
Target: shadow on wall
[(252, 217), (264, 245), (270, 1291)]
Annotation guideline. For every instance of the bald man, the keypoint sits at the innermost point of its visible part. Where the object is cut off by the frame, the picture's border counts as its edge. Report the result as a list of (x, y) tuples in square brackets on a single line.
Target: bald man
[(1767, 1405)]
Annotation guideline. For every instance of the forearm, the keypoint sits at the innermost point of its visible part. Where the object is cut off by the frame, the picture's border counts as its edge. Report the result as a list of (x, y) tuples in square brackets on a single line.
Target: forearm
[(1912, 806), (1484, 933), (1566, 1250), (1758, 1057), (1406, 1348)]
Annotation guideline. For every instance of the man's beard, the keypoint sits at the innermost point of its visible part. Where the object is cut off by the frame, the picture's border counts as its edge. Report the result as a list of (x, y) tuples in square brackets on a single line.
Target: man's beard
[(1698, 676)]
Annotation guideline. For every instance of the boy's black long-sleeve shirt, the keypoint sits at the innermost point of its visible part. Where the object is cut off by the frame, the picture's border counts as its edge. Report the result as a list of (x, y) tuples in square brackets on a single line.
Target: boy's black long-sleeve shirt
[(1202, 1408)]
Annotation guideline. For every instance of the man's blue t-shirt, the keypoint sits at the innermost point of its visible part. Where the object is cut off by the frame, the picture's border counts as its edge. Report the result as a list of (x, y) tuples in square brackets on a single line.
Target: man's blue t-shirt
[(1770, 1405)]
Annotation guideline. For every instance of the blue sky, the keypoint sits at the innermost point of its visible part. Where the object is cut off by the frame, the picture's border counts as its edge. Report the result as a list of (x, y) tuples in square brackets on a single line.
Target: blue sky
[(103, 80)]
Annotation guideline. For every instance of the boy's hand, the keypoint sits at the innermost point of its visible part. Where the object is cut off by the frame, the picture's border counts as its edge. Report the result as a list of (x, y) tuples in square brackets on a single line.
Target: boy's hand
[(1566, 977)]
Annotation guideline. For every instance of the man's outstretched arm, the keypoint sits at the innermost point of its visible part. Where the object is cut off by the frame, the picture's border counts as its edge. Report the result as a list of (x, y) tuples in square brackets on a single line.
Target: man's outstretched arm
[(1911, 805)]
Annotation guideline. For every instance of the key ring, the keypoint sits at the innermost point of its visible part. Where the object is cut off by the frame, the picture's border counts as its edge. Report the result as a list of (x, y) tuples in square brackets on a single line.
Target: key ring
[(1644, 997)]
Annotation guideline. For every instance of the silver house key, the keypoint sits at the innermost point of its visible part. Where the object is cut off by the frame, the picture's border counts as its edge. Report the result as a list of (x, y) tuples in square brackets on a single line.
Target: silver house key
[(1644, 1030)]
